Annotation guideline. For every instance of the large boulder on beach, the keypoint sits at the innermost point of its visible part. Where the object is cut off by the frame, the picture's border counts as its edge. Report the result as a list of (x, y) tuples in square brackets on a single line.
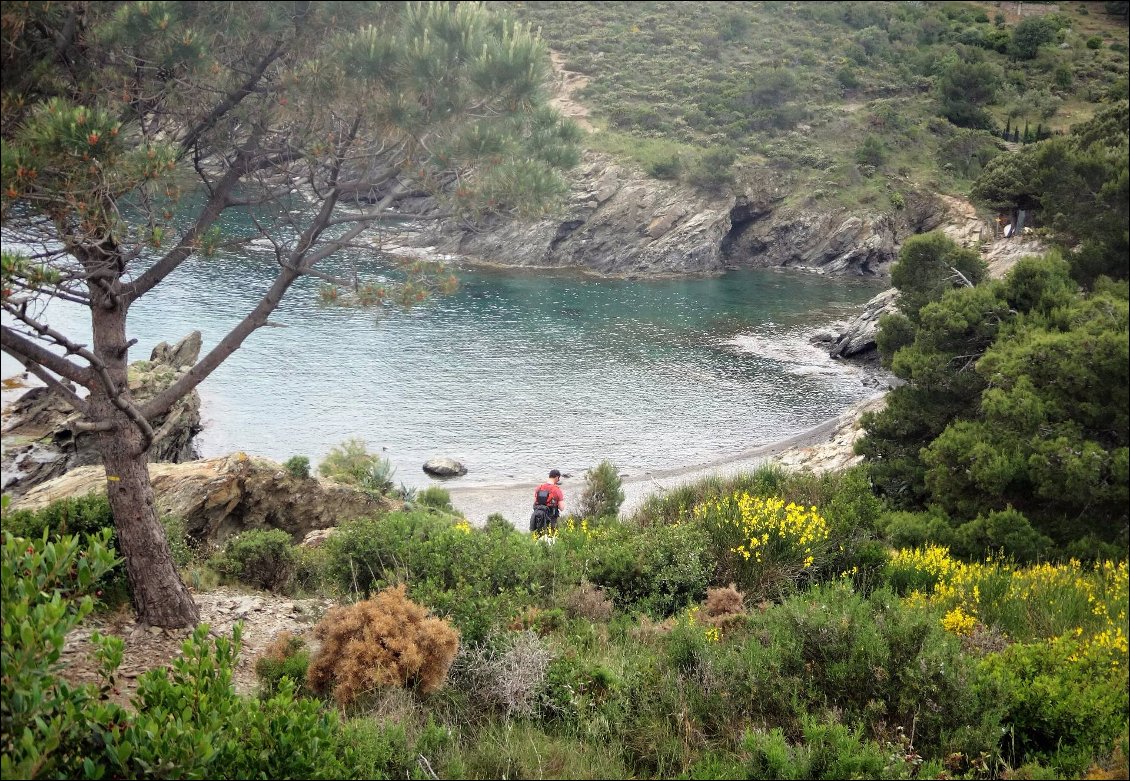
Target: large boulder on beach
[(444, 467), (39, 436)]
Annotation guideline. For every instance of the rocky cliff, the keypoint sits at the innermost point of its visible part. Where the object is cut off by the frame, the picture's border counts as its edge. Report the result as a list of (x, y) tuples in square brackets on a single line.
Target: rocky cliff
[(40, 440), (620, 222)]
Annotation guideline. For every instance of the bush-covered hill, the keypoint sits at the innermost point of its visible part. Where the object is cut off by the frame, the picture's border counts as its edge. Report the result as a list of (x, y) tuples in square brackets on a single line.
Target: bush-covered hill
[(857, 99)]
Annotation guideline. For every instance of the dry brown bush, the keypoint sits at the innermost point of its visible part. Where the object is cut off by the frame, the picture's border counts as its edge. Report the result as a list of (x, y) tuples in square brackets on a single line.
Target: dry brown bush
[(724, 601), (284, 645), (384, 641), (588, 601)]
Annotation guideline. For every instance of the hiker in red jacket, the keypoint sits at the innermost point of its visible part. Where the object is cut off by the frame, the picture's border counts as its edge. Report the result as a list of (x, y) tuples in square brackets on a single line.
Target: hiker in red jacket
[(548, 501)]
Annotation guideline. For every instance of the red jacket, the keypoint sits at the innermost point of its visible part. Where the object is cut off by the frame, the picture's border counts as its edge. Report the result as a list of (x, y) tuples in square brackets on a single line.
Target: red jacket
[(556, 495)]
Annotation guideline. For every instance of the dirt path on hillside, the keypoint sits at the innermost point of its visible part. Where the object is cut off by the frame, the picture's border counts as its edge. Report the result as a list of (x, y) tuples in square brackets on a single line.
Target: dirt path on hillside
[(566, 85)]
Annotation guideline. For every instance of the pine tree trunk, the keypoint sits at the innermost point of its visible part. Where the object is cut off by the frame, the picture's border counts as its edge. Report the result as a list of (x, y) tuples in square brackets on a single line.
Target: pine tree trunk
[(159, 596)]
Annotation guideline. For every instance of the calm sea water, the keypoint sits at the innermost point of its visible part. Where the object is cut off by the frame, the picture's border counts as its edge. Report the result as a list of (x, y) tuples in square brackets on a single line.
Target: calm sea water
[(516, 372)]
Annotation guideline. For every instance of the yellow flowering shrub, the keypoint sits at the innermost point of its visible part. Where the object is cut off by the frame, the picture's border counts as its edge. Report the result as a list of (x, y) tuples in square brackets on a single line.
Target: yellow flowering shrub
[(762, 543), (1086, 606)]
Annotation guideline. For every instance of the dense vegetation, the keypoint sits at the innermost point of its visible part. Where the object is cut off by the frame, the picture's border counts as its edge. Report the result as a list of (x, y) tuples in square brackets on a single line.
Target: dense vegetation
[(1013, 426), (854, 101), (954, 607), (755, 628)]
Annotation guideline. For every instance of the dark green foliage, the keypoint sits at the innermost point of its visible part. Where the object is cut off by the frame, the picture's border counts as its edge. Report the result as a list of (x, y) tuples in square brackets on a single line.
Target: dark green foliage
[(1062, 710), (1030, 34), (475, 578), (185, 722), (298, 466), (262, 558), (88, 515), (871, 152), (930, 264), (1014, 400), (603, 492), (660, 571), (827, 750), (965, 88), (1081, 187), (82, 515), (45, 589), (1051, 438), (711, 169), (916, 529), (1006, 532)]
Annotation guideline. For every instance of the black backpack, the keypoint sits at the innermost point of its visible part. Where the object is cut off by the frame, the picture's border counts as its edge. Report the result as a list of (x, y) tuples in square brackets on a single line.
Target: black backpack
[(544, 515)]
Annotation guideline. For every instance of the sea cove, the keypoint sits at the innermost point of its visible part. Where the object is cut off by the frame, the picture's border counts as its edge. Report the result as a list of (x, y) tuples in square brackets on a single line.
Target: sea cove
[(514, 371)]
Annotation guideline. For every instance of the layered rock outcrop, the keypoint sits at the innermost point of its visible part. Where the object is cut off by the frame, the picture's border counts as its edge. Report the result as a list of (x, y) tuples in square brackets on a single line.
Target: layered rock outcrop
[(221, 497), (619, 222), (39, 436)]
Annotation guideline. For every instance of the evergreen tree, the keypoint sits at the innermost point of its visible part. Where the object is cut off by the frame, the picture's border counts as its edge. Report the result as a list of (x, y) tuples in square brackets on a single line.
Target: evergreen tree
[(112, 105)]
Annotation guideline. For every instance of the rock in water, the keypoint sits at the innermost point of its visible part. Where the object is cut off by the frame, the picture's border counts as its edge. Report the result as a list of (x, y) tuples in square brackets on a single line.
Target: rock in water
[(444, 467)]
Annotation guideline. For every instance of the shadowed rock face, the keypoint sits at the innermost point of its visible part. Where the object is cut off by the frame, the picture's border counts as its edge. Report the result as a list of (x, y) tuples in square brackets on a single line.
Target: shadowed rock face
[(40, 442), (621, 223), (221, 497)]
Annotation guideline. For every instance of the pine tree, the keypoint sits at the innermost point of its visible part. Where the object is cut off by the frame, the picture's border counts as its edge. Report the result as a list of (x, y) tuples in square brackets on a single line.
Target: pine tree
[(109, 107)]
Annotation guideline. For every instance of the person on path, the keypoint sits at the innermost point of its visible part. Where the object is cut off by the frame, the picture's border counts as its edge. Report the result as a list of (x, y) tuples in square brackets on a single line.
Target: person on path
[(549, 499)]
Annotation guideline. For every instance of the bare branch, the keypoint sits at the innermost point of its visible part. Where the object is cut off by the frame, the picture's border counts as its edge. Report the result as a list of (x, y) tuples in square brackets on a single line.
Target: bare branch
[(257, 318), (962, 277), (53, 383), (20, 347), (232, 99)]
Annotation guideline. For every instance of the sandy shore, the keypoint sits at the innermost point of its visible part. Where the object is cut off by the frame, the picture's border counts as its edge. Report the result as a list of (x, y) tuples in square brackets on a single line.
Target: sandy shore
[(824, 446)]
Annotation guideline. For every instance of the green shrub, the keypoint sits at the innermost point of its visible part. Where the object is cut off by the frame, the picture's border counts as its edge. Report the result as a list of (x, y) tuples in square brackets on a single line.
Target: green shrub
[(878, 661), (659, 571), (298, 466), (88, 515), (763, 544), (1063, 703), (903, 529), (829, 750), (711, 169), (352, 464), (81, 515), (285, 657), (476, 578), (434, 496), (45, 587), (189, 722), (1006, 533), (262, 558), (378, 750), (179, 546), (603, 492), (666, 167)]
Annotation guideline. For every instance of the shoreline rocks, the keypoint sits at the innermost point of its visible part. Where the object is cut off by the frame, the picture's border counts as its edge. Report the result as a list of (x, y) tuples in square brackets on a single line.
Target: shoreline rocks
[(220, 497), (40, 442)]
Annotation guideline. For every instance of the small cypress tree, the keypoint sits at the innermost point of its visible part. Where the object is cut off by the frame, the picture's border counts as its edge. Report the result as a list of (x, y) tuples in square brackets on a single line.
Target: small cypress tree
[(1007, 128), (604, 492)]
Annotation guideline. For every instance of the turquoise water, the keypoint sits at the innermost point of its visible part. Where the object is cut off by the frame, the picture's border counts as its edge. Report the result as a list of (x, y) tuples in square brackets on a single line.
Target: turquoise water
[(514, 373)]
